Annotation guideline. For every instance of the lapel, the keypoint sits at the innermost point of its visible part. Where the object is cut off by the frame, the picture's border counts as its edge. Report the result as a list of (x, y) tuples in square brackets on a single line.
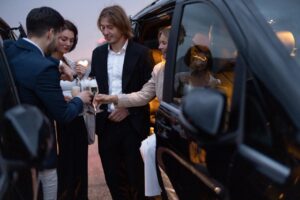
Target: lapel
[(129, 64), (103, 74)]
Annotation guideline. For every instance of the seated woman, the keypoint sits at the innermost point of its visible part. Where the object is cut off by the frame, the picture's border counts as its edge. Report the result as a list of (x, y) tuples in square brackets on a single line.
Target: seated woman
[(199, 60)]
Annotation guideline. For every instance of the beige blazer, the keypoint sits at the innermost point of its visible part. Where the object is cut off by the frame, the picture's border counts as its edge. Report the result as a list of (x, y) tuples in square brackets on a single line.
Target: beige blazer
[(150, 89)]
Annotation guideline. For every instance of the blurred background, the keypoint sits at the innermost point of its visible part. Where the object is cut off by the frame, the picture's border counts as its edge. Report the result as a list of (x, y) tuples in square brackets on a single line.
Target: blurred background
[(83, 14)]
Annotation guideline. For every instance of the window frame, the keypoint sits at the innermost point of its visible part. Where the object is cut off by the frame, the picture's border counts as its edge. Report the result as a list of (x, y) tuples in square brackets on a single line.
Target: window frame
[(230, 23)]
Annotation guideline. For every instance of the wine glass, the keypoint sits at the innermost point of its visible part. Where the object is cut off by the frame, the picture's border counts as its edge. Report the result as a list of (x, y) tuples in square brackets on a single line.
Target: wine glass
[(94, 89), (75, 91)]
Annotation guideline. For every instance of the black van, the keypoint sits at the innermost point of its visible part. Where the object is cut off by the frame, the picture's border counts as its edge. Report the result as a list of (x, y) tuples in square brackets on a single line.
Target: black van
[(241, 138)]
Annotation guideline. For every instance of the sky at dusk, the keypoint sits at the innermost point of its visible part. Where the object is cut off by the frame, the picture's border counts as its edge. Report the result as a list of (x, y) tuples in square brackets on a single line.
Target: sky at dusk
[(83, 13)]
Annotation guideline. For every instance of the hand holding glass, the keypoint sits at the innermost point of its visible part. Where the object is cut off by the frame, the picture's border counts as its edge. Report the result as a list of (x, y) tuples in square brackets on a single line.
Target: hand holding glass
[(94, 89)]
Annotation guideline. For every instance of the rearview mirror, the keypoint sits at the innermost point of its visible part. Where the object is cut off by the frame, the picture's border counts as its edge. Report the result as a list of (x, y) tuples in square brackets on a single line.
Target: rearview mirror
[(202, 111), (26, 136)]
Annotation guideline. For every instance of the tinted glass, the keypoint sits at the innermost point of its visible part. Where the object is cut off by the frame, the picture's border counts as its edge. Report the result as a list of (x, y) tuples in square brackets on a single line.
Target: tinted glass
[(206, 54), (267, 127), (283, 17)]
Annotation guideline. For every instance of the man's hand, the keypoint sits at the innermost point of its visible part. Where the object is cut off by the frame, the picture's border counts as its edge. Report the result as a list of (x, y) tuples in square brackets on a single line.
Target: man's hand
[(118, 115), (80, 70), (66, 72), (85, 96), (67, 98)]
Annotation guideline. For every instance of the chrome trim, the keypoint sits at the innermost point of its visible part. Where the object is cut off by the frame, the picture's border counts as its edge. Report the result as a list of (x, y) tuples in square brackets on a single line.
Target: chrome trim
[(171, 193), (273, 169), (212, 184)]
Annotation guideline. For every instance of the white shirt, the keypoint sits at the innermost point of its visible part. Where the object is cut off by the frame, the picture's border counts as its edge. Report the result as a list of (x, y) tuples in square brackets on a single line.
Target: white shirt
[(115, 62)]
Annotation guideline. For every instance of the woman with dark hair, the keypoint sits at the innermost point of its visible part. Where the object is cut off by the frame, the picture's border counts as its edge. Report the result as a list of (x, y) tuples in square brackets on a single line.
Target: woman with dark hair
[(72, 136), (198, 59)]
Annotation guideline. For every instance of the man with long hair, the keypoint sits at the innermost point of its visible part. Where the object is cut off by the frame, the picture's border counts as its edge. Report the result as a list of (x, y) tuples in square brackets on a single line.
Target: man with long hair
[(121, 66)]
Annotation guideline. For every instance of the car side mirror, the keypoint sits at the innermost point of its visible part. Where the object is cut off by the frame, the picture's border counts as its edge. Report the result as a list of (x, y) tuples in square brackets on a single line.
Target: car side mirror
[(26, 136), (203, 111)]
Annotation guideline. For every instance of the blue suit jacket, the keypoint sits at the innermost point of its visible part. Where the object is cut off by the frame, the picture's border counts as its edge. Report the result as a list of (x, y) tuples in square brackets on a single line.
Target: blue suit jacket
[(37, 81)]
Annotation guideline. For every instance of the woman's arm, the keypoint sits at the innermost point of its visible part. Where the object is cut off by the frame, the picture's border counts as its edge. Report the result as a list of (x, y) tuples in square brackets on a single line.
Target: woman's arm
[(140, 98), (133, 99)]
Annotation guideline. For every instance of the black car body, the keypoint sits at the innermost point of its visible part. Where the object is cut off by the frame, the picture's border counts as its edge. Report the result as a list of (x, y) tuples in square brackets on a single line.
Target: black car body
[(240, 139)]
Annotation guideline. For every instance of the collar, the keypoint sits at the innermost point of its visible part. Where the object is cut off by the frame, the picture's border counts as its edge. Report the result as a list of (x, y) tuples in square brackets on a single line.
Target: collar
[(123, 49), (33, 43)]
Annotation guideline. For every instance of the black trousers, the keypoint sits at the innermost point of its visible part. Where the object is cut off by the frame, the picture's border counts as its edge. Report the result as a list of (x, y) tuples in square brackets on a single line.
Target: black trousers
[(121, 160), (72, 168)]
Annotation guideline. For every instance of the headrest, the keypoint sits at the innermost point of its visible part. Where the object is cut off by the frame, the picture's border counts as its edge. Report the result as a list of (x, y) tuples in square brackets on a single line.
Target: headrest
[(201, 39), (287, 38)]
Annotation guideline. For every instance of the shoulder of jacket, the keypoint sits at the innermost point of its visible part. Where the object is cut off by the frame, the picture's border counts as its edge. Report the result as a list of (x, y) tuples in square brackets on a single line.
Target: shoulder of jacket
[(8, 43), (138, 48), (102, 47), (159, 67), (136, 44)]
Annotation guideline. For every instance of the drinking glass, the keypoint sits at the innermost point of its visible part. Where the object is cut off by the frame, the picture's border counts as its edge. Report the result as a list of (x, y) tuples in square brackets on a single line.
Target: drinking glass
[(75, 91), (94, 89)]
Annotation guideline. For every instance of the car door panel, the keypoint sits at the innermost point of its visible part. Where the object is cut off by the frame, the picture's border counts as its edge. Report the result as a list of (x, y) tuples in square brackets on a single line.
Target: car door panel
[(174, 149), (257, 176), (270, 168), (255, 155)]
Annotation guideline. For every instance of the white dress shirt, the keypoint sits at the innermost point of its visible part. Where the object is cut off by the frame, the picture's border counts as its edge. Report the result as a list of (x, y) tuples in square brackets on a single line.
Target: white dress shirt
[(115, 62)]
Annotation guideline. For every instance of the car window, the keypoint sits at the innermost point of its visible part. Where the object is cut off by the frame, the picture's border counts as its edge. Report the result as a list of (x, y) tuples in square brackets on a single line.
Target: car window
[(268, 128), (206, 54), (283, 18)]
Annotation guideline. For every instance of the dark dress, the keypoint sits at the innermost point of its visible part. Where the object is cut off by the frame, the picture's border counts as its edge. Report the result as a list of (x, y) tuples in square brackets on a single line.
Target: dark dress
[(72, 171), (72, 168)]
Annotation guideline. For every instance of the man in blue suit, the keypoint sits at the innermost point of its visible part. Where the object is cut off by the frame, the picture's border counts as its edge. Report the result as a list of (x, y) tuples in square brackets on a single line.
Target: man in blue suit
[(37, 79)]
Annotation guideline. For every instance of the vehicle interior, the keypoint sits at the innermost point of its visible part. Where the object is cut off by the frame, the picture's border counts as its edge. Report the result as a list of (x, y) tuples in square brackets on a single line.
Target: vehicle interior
[(224, 53), (181, 152), (12, 33), (224, 56)]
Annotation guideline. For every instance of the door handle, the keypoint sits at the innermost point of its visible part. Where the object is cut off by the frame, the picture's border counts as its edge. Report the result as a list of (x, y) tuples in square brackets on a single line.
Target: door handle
[(164, 126), (163, 129), (274, 170)]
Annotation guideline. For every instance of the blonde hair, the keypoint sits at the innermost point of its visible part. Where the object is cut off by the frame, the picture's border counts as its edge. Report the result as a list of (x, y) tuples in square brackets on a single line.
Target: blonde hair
[(164, 31)]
